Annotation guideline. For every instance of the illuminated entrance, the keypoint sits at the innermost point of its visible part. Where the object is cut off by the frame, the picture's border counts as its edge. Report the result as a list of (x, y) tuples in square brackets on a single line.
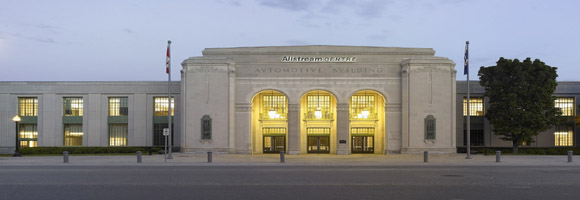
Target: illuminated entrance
[(269, 122), (318, 127), (367, 122)]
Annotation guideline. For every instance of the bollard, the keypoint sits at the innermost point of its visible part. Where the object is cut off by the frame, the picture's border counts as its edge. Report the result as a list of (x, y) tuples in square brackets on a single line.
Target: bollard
[(570, 156), (425, 156), (65, 156), (209, 156), (139, 159), (282, 159), (497, 156)]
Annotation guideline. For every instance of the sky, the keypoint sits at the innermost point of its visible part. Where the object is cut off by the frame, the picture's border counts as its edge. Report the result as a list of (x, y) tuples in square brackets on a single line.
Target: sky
[(126, 40)]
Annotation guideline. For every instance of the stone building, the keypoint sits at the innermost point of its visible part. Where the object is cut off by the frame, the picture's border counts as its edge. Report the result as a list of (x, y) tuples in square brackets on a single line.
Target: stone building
[(256, 100)]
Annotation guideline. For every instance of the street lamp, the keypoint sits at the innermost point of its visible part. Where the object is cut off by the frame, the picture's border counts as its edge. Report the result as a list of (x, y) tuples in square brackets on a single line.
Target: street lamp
[(16, 119)]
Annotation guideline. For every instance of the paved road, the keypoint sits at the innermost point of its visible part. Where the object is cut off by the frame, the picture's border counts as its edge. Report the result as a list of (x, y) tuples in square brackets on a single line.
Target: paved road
[(289, 182)]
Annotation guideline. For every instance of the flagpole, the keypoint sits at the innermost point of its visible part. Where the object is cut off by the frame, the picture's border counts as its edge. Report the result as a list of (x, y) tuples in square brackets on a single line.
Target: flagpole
[(169, 156), (468, 108)]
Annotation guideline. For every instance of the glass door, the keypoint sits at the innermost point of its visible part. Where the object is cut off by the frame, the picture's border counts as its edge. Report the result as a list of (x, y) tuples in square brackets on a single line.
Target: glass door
[(318, 144), (274, 144), (363, 144)]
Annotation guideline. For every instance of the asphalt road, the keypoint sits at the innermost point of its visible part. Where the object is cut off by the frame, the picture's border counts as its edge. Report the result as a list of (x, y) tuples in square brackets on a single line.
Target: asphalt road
[(288, 182)]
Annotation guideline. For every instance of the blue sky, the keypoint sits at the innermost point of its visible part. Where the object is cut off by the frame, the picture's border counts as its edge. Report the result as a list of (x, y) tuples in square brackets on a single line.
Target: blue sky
[(124, 40)]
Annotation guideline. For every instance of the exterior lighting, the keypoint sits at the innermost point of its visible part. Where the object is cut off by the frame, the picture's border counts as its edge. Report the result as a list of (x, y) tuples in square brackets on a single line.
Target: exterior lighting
[(365, 114), (318, 113), (16, 119)]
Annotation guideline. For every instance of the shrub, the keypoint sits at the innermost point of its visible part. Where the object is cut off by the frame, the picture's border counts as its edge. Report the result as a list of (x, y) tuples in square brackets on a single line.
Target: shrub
[(86, 150)]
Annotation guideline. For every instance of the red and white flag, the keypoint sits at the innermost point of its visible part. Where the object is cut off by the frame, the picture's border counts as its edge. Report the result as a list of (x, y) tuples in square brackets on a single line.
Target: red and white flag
[(167, 62)]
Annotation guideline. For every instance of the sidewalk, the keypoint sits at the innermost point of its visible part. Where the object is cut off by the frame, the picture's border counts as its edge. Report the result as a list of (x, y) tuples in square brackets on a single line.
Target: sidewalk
[(192, 159)]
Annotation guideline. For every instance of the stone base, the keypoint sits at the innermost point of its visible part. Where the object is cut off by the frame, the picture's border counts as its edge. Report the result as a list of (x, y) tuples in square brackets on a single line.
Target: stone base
[(431, 150), (342, 152), (293, 152)]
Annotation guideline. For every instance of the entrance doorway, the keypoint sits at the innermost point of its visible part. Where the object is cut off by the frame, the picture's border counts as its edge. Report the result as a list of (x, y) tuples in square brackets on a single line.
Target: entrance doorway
[(363, 144), (274, 144), (318, 144)]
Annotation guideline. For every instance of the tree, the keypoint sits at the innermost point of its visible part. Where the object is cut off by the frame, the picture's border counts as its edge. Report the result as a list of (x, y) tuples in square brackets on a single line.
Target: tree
[(521, 101)]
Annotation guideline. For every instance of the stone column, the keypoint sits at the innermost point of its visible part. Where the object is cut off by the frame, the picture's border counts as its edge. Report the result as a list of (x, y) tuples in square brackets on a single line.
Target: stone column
[(343, 121), (293, 129)]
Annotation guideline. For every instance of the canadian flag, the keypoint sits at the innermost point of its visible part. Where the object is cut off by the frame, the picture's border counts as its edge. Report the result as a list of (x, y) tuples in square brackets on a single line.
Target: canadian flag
[(167, 61)]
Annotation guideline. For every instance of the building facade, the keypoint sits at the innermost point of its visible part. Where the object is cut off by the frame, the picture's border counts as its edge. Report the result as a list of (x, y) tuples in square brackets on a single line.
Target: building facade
[(259, 100), (481, 134)]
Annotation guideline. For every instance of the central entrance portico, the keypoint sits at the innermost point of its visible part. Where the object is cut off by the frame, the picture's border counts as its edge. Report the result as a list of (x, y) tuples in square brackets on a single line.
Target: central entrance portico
[(318, 99)]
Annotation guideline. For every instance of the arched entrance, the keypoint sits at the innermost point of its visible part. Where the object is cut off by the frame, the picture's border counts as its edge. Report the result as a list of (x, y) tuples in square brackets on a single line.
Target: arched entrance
[(367, 122), (318, 127), (269, 122)]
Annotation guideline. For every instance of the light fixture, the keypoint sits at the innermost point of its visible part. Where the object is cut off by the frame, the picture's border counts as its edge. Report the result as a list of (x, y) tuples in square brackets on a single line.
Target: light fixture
[(16, 118), (272, 113), (318, 112)]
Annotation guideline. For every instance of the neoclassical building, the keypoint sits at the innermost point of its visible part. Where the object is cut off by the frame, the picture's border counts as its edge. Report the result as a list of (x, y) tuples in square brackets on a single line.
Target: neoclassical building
[(254, 100), (319, 99)]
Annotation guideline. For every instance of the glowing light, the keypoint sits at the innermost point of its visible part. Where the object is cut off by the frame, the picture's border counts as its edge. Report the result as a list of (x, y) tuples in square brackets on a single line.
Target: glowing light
[(318, 113), (365, 114), (272, 113)]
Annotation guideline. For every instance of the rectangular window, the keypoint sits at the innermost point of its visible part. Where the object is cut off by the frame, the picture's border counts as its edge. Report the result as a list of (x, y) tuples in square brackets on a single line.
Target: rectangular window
[(28, 134), (28, 106), (73, 135), (476, 137), (72, 106), (318, 103), (362, 107), (564, 135), (158, 137), (118, 106), (430, 127), (274, 131), (475, 106), (161, 107), (118, 134), (276, 103), (318, 131), (566, 104), (362, 131)]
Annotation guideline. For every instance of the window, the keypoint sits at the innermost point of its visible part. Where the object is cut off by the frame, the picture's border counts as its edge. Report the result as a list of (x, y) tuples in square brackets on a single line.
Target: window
[(73, 135), (566, 104), (362, 131), (274, 131), (476, 137), (430, 127), (362, 107), (276, 103), (160, 106), (28, 106), (118, 106), (158, 137), (318, 103), (118, 134), (475, 106), (28, 134), (318, 131), (564, 135), (72, 106)]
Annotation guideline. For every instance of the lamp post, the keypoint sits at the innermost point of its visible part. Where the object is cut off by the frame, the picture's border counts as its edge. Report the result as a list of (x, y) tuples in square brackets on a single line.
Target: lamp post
[(16, 119)]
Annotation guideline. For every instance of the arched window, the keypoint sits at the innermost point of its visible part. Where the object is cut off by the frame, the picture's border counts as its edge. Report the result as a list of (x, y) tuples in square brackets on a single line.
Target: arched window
[(430, 127)]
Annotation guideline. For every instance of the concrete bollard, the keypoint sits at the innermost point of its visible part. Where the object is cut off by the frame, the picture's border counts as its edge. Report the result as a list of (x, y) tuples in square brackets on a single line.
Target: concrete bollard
[(570, 156), (497, 156), (65, 156), (139, 157), (425, 156), (209, 156), (282, 159)]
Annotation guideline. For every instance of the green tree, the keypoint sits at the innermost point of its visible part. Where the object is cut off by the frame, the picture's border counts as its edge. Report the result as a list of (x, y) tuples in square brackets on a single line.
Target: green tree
[(521, 101)]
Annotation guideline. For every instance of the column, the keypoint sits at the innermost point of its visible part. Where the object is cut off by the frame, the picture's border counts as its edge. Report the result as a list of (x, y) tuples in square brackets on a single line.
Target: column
[(342, 131), (293, 129)]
